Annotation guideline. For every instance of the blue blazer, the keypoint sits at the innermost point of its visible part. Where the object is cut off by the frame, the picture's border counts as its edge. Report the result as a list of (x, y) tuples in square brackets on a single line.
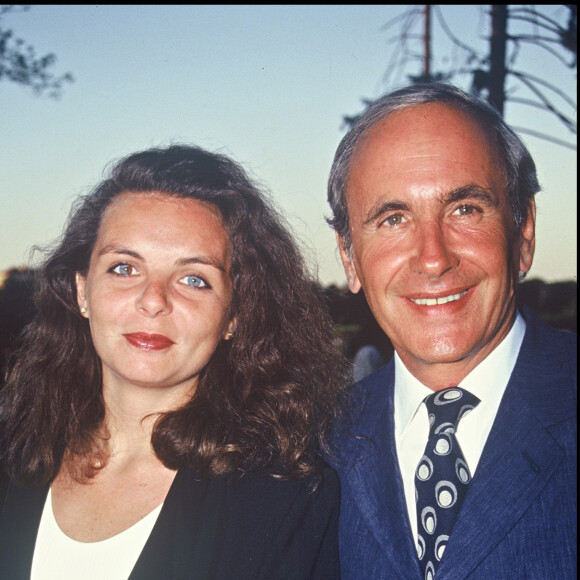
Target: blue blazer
[(519, 516)]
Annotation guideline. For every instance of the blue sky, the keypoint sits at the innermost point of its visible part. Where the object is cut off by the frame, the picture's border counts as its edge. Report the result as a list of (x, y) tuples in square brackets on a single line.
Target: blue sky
[(265, 84)]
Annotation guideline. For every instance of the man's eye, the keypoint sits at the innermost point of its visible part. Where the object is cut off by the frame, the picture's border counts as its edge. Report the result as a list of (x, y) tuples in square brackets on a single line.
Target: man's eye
[(124, 270), (194, 282), (394, 220), (466, 210)]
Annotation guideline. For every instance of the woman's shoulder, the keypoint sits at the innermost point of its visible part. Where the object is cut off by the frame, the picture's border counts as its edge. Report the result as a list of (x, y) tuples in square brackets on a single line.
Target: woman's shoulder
[(269, 482), (265, 493), (272, 527)]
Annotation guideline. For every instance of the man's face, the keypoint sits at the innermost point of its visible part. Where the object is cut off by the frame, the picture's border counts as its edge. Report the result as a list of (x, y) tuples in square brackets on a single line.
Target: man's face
[(434, 246)]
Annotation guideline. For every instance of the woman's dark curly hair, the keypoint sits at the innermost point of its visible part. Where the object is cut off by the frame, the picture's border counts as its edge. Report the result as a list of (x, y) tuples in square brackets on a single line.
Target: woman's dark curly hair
[(267, 398)]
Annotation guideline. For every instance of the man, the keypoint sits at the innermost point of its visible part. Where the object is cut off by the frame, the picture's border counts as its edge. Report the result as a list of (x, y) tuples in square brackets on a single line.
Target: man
[(433, 206)]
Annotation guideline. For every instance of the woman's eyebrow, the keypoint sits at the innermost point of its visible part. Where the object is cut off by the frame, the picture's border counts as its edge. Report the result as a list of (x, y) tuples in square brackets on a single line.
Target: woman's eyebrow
[(206, 260), (116, 249)]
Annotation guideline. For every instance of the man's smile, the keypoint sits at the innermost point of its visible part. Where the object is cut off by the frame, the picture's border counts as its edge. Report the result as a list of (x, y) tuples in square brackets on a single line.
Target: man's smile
[(438, 301)]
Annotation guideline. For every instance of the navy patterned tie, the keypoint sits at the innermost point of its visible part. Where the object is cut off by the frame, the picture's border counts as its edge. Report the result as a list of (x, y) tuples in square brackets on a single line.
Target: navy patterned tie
[(442, 476)]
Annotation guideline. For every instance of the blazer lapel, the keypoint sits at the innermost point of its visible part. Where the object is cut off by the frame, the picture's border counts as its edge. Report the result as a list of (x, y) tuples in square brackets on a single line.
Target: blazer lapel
[(185, 538), (375, 477), (519, 457), (167, 553)]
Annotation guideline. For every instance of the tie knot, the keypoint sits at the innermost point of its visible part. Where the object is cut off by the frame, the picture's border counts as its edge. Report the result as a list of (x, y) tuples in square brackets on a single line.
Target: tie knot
[(447, 407)]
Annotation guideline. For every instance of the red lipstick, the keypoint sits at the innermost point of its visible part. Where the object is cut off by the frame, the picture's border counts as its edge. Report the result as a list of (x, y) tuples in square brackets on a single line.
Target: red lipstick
[(146, 341)]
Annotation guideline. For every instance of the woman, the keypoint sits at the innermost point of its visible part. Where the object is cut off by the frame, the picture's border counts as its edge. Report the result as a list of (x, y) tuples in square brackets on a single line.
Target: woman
[(167, 410)]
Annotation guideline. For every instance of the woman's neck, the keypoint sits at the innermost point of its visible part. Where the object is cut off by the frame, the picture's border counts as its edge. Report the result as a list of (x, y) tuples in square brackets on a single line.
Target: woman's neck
[(131, 411)]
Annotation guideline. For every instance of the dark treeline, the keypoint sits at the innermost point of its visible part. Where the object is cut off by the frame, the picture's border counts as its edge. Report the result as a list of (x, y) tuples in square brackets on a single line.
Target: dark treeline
[(16, 310), (553, 302)]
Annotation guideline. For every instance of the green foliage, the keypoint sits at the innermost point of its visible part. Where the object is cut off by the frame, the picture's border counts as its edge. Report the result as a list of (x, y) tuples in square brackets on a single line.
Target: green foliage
[(20, 64)]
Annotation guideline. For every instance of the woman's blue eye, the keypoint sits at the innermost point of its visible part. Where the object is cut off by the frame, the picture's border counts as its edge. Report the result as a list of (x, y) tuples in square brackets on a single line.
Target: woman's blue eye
[(124, 270), (194, 281)]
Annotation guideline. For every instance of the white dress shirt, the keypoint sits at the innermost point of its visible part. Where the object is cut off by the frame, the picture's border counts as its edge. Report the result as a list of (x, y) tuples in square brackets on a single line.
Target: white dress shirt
[(487, 382)]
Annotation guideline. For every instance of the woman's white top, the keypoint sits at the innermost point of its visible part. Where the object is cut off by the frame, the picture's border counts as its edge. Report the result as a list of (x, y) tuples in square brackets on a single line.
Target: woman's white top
[(58, 556)]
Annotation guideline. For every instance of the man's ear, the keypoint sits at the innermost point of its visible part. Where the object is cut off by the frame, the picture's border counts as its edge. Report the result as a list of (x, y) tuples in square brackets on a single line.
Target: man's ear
[(81, 283), (348, 264), (528, 239)]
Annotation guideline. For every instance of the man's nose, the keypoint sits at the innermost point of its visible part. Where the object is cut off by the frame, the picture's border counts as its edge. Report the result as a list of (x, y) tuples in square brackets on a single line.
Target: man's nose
[(433, 254)]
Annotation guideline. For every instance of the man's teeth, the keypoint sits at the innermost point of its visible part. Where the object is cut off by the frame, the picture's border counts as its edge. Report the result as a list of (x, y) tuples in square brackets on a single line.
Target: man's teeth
[(436, 301)]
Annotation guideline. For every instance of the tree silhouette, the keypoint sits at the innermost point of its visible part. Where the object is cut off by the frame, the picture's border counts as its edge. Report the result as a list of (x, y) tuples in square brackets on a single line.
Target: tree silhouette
[(493, 72), (20, 64), (16, 309)]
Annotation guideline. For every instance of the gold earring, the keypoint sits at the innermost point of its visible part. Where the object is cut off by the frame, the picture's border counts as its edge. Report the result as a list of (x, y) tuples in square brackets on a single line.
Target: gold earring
[(228, 336), (83, 310)]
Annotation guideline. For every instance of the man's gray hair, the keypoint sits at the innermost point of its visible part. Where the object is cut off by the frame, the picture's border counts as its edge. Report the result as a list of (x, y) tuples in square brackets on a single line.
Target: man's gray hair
[(517, 163)]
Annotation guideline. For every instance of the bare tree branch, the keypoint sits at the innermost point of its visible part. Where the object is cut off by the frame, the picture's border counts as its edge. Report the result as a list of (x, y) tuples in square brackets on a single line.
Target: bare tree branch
[(540, 81), (524, 12), (545, 137), (549, 49), (554, 38), (450, 34)]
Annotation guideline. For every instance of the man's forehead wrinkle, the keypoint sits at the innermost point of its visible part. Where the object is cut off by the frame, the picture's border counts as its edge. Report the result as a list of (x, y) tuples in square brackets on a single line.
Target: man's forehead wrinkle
[(408, 162)]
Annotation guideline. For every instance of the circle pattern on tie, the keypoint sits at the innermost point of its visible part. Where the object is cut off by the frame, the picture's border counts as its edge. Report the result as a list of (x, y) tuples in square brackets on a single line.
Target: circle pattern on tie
[(425, 469), (445, 428), (462, 471), (444, 444), (429, 519), (442, 476), (446, 494), (420, 547), (440, 545)]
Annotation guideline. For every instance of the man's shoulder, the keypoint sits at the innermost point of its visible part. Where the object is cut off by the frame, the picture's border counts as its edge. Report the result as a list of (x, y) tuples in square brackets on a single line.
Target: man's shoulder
[(546, 371), (370, 393), (368, 404), (548, 342)]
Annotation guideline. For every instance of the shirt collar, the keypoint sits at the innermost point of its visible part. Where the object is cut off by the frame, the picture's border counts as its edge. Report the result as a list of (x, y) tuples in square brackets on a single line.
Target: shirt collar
[(487, 380)]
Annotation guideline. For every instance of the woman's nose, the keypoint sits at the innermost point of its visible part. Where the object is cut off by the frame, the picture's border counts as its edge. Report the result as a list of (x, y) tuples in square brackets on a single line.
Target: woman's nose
[(154, 299)]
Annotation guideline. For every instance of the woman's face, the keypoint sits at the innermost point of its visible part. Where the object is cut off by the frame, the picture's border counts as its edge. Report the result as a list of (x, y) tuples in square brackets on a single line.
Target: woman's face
[(158, 290)]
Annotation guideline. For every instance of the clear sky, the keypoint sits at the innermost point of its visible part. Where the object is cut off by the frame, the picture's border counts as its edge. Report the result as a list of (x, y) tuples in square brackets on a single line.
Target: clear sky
[(266, 84)]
